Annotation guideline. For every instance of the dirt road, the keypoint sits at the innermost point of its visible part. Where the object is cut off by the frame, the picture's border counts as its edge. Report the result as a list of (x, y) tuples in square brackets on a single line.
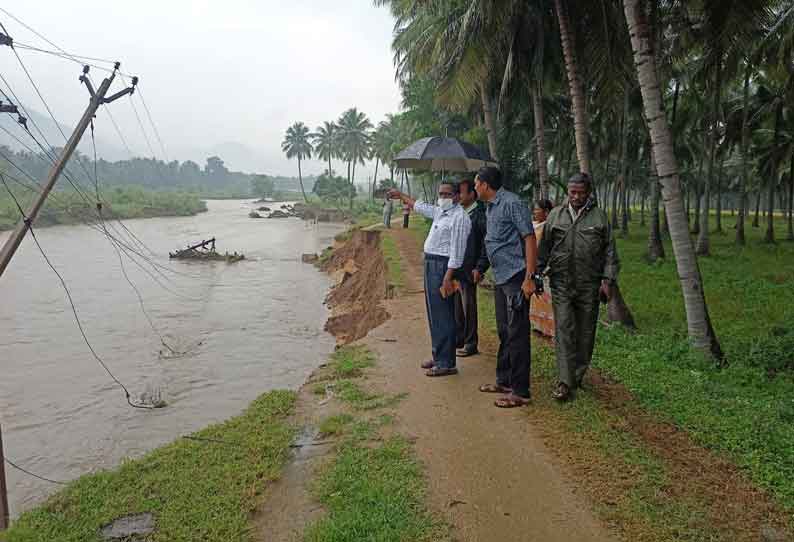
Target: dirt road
[(489, 473)]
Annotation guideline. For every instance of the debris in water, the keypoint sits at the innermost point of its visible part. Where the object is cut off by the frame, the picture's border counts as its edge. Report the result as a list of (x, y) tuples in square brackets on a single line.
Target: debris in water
[(129, 526), (205, 250)]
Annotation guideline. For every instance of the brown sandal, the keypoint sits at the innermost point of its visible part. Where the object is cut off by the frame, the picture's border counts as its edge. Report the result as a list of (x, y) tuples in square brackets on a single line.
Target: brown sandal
[(512, 401), (495, 388), (442, 371)]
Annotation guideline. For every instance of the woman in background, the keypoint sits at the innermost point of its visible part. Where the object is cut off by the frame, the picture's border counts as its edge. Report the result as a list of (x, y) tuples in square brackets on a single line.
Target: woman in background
[(540, 211), (541, 315)]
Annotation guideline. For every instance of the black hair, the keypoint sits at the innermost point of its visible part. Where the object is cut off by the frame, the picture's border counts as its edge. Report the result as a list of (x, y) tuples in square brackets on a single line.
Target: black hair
[(582, 178), (469, 182), (455, 186), (544, 204), (491, 176)]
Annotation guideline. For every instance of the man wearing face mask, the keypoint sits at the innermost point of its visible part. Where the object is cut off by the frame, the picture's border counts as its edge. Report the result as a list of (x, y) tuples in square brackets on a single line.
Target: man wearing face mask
[(578, 252), (444, 251)]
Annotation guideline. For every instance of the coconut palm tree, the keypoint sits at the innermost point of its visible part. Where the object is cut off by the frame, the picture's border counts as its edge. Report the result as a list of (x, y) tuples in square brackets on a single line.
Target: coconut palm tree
[(325, 143), (355, 140), (700, 330), (296, 144)]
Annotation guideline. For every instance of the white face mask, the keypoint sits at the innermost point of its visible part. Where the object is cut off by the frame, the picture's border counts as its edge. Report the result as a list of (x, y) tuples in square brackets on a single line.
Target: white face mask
[(445, 203)]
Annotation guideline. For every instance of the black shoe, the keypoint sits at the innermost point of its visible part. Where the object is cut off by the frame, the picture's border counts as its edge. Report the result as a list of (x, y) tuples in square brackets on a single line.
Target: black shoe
[(562, 393), (466, 352)]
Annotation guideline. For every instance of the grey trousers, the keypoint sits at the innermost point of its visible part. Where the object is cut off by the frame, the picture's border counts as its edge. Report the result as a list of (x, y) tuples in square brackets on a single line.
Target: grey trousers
[(575, 317)]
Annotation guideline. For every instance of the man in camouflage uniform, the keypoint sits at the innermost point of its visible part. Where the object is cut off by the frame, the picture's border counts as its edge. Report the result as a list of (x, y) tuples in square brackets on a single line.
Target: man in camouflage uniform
[(578, 253)]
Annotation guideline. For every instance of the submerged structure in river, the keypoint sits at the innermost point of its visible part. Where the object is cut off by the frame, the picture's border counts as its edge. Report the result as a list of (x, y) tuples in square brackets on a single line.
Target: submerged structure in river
[(205, 250)]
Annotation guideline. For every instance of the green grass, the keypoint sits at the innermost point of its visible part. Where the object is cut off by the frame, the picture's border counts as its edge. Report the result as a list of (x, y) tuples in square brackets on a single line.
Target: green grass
[(373, 488), (373, 493), (335, 425), (197, 490), (350, 361), (393, 261), (351, 393), (745, 410)]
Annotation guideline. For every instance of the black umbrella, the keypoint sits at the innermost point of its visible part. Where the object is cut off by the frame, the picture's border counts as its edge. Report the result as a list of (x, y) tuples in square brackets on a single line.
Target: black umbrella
[(443, 154)]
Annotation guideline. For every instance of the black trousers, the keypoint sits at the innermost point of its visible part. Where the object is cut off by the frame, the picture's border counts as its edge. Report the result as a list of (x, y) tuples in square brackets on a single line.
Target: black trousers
[(466, 316), (513, 363)]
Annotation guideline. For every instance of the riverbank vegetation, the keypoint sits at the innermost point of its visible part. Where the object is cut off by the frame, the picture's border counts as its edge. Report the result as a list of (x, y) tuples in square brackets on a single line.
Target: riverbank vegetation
[(68, 207), (202, 487)]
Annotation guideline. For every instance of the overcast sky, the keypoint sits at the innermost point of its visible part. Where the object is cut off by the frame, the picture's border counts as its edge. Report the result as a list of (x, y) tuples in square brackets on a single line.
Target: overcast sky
[(213, 72)]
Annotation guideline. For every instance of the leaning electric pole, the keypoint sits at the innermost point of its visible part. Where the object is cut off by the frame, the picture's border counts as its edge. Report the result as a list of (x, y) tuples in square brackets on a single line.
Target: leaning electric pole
[(97, 98)]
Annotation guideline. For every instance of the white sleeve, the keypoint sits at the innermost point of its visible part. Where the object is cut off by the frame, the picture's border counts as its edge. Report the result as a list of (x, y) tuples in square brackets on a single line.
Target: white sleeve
[(459, 238), (427, 210)]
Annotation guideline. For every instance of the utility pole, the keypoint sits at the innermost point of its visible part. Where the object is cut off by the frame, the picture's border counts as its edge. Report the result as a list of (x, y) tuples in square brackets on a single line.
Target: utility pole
[(4, 513), (97, 98), (12, 244)]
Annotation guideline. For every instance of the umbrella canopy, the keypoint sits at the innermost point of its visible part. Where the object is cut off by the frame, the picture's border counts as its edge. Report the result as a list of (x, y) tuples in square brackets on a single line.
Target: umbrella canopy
[(443, 154)]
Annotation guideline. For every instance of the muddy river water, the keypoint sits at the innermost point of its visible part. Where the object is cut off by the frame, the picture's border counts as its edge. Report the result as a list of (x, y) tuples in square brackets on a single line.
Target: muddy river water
[(247, 328)]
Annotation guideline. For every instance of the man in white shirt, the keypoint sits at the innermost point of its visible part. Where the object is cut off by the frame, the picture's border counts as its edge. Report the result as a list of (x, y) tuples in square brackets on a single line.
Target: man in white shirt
[(444, 250)]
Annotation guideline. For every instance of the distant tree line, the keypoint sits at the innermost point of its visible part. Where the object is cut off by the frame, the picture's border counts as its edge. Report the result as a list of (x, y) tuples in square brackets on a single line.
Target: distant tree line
[(211, 178)]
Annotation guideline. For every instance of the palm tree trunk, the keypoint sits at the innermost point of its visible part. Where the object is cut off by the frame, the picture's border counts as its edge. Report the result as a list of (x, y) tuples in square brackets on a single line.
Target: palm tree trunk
[(790, 236), (740, 239), (655, 246), (540, 138), (490, 122), (719, 193), (300, 180), (699, 328), (769, 237), (698, 197), (625, 216), (757, 207), (375, 179), (624, 163), (330, 171), (703, 247), (576, 90), (643, 197)]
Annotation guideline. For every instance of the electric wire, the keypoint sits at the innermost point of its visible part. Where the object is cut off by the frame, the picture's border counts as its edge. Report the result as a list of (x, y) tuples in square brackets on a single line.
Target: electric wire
[(33, 474), (118, 253), (154, 126), (47, 107), (71, 301)]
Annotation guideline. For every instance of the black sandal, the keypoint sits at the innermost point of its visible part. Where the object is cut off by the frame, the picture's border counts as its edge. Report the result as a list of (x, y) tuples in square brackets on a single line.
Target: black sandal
[(562, 393)]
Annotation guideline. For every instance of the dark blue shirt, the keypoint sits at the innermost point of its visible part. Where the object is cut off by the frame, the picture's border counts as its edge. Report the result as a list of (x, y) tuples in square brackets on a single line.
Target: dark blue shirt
[(509, 222)]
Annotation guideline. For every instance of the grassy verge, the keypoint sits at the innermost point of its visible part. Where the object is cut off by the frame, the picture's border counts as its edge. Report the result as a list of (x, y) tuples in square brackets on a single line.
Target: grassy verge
[(373, 488), (196, 489), (393, 262)]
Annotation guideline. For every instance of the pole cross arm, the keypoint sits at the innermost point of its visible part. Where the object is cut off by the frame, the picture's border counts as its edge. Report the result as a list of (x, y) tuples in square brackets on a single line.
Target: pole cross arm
[(87, 82), (8, 108), (119, 94), (6, 40)]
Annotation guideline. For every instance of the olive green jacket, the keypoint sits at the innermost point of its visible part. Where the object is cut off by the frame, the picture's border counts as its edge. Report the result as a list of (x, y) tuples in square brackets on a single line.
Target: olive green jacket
[(582, 250)]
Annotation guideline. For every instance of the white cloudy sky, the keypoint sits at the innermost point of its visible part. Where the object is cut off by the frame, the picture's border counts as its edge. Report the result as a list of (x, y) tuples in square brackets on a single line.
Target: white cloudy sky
[(214, 72)]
